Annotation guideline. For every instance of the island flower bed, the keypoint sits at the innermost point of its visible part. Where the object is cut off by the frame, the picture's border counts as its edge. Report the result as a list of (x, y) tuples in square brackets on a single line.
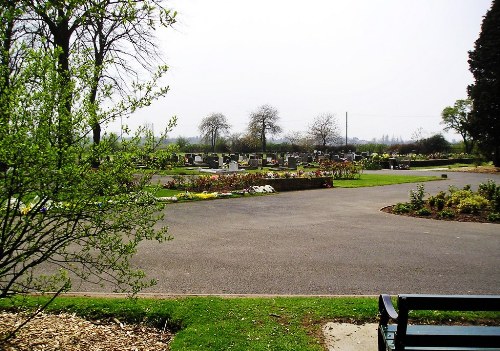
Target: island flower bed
[(280, 181)]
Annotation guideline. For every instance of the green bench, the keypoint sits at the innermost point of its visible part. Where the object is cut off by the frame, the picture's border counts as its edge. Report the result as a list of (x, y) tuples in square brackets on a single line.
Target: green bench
[(394, 333)]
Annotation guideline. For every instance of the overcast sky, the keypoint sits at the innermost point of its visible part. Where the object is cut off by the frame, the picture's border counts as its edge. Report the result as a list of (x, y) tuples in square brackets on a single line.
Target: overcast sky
[(393, 65)]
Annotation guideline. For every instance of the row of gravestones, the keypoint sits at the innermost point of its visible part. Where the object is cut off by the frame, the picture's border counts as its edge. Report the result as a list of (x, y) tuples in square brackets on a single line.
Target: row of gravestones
[(258, 160)]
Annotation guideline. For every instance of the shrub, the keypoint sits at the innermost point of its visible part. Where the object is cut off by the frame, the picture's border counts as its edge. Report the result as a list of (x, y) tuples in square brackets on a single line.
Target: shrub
[(494, 217), (446, 214), (459, 195), (440, 203), (472, 204), (424, 212), (401, 208), (491, 191), (417, 197)]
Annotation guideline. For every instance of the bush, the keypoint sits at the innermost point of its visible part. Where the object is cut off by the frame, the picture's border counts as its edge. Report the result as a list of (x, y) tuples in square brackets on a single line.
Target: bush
[(446, 214), (401, 208), (424, 212), (494, 217), (459, 195), (491, 191), (473, 204), (417, 197)]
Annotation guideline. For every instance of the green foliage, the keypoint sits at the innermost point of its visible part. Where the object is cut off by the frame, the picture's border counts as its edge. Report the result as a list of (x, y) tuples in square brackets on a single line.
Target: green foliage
[(214, 323), (472, 204), (366, 180), (423, 212), (401, 207), (494, 217), (446, 214), (491, 191), (458, 201), (342, 170), (459, 195), (458, 118), (417, 197), (484, 62), (56, 209)]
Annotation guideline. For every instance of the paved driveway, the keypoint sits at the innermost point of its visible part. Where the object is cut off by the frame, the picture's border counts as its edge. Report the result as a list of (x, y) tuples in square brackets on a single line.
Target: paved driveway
[(328, 241)]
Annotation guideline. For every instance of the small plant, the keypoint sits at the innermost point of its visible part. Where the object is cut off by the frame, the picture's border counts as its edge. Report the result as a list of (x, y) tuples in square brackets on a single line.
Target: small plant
[(417, 197), (472, 204), (491, 191), (446, 214), (494, 217), (440, 202), (401, 207), (459, 195), (423, 212)]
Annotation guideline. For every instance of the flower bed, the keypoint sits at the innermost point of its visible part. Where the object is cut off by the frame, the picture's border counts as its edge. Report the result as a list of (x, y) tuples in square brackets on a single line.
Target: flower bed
[(456, 204), (280, 181)]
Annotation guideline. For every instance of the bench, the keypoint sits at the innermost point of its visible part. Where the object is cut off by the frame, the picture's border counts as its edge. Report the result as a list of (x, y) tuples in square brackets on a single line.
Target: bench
[(401, 336)]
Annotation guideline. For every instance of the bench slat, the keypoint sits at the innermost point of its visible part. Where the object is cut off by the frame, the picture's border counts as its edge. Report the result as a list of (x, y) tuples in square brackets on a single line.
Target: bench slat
[(452, 302), (446, 336)]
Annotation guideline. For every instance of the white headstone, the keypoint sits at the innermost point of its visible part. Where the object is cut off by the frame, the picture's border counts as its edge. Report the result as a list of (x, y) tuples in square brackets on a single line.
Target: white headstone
[(233, 166)]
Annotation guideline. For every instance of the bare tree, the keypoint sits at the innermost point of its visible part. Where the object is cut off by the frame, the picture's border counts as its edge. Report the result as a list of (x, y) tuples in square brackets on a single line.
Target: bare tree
[(212, 127), (324, 130), (262, 122)]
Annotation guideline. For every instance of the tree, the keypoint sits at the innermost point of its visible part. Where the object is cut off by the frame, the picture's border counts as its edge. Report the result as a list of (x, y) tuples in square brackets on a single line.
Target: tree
[(116, 43), (324, 130), (60, 218), (484, 62), (262, 122), (458, 118), (433, 144), (54, 209), (212, 127)]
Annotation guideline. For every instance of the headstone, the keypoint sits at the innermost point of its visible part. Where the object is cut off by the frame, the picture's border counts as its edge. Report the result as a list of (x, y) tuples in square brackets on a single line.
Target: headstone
[(221, 162), (233, 166), (213, 163), (349, 156), (174, 158), (281, 161), (336, 158), (253, 162), (198, 159), (292, 163), (234, 157)]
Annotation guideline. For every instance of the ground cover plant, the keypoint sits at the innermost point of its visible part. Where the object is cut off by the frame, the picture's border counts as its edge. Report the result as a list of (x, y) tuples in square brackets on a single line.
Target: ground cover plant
[(215, 323), (457, 204)]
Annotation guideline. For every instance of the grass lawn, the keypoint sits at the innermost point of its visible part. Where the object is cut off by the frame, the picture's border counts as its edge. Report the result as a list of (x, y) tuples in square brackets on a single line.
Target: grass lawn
[(215, 323), (381, 179)]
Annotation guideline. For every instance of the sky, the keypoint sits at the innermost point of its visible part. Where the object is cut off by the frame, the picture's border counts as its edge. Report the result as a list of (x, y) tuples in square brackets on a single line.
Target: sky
[(391, 65)]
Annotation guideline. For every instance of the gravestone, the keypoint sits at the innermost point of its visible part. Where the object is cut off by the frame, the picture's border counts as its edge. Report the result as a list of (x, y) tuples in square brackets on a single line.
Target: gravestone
[(198, 159), (221, 162), (292, 163), (253, 162), (233, 166), (213, 163)]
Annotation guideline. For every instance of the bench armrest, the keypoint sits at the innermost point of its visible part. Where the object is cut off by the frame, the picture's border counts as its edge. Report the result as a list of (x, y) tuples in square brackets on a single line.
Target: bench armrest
[(386, 309)]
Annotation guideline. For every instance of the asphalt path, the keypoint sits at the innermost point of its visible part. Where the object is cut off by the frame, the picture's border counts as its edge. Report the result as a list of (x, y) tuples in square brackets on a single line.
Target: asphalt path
[(323, 242)]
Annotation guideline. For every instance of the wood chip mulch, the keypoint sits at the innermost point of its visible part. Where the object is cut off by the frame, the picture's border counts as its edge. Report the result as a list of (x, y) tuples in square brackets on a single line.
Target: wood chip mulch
[(47, 332)]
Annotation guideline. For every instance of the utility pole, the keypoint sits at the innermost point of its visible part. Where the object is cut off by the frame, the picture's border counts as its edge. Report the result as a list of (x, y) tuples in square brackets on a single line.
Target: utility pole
[(346, 128)]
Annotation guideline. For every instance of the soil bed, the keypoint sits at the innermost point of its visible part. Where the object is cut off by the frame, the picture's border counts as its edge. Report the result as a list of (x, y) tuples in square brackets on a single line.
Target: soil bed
[(481, 216)]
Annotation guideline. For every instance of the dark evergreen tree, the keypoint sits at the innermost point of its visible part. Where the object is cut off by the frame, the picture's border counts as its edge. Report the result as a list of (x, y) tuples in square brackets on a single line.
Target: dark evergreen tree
[(484, 62)]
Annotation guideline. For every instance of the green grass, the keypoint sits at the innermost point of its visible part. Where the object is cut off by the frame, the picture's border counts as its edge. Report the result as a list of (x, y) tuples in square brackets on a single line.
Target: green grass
[(215, 323), (381, 179)]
